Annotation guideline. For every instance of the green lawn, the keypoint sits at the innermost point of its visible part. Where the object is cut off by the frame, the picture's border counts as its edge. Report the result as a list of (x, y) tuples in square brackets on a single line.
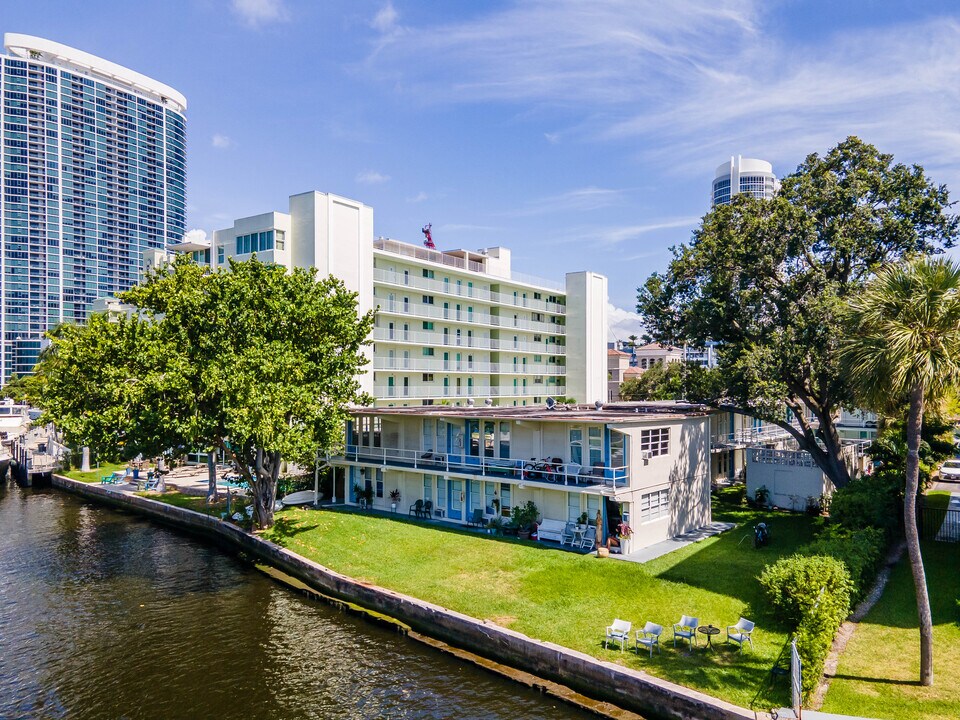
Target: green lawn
[(96, 473), (567, 598), (937, 499), (198, 503), (878, 673)]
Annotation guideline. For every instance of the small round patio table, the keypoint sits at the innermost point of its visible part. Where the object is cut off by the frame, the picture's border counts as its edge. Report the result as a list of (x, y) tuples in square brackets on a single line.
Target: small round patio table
[(709, 631)]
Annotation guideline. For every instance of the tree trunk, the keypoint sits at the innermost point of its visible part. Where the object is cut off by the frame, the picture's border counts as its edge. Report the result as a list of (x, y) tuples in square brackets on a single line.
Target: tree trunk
[(263, 495), (211, 477), (914, 424)]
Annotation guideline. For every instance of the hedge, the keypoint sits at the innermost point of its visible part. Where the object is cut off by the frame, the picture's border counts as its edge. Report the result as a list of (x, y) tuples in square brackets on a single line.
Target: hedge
[(861, 551), (812, 593)]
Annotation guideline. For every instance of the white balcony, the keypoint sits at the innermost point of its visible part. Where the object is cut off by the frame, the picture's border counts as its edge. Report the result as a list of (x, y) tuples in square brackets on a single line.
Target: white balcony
[(452, 392), (465, 366), (438, 339), (434, 312), (517, 470)]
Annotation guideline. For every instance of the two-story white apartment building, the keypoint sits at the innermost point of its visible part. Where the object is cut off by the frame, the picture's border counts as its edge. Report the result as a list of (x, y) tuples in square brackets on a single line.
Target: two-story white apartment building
[(647, 464)]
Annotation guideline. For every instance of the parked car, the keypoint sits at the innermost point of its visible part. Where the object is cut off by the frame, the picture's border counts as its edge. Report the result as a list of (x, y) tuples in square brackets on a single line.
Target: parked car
[(950, 471)]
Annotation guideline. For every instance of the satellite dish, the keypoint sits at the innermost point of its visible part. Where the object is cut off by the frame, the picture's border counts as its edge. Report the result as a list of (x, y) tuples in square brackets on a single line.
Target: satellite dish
[(550, 403), (488, 402), (469, 402), (598, 404)]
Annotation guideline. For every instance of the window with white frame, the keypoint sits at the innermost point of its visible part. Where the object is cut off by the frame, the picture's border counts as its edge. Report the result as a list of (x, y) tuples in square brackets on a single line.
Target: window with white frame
[(655, 505), (655, 441)]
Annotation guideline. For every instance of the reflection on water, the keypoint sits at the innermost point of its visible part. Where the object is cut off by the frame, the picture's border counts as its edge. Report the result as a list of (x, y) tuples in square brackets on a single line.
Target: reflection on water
[(105, 615)]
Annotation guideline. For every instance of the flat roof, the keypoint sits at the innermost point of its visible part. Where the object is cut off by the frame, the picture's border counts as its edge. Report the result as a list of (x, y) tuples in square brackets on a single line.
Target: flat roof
[(621, 412)]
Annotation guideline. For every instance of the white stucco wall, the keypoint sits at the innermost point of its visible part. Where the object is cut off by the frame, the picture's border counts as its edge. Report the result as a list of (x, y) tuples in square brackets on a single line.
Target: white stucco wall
[(586, 336)]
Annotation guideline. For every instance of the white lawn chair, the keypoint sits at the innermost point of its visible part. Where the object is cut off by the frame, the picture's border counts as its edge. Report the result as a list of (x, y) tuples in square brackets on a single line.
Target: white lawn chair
[(740, 633), (568, 535), (618, 632), (686, 629), (589, 538), (649, 637)]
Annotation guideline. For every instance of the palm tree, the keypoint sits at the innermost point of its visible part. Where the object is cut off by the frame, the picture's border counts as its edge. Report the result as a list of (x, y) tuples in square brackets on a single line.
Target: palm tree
[(903, 347)]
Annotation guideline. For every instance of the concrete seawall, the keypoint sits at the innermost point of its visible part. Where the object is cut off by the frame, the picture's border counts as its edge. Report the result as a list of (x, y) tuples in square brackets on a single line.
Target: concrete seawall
[(630, 689)]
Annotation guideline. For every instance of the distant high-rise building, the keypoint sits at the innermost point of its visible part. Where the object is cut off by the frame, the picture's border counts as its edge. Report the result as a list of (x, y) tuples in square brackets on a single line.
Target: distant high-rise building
[(744, 175), (94, 170)]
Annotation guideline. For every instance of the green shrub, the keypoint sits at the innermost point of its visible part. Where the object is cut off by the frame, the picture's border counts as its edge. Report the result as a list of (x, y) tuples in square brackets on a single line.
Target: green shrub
[(861, 551), (811, 592), (793, 586), (871, 501)]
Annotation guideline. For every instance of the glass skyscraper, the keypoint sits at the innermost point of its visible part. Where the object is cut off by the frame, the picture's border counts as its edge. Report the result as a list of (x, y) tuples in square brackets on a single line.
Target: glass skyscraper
[(94, 169)]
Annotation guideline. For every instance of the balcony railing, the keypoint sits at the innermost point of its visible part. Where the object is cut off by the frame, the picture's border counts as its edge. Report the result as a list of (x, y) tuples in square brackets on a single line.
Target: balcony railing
[(463, 315), (795, 458), (751, 436), (437, 339), (458, 289), (468, 391), (466, 366), (567, 474)]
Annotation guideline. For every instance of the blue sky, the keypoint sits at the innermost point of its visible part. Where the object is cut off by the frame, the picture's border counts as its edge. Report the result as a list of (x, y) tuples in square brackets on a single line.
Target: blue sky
[(582, 135)]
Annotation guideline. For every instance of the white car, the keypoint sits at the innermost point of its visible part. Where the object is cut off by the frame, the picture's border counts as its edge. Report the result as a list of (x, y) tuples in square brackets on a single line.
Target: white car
[(950, 471)]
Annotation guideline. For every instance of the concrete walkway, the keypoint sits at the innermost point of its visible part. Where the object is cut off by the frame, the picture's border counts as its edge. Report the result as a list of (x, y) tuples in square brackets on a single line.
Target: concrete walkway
[(664, 547), (950, 530)]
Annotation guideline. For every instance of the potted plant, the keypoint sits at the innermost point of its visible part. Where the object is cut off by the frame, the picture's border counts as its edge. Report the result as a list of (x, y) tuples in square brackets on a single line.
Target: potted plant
[(496, 525), (496, 505), (761, 496), (582, 520), (624, 531), (363, 494), (394, 499), (525, 518)]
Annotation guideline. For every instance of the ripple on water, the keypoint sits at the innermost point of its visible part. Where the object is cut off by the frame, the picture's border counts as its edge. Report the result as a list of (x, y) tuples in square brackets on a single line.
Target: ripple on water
[(104, 615)]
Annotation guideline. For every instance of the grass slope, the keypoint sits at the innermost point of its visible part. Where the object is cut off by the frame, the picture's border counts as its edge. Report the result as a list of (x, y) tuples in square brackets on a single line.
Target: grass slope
[(567, 598), (96, 473), (879, 671)]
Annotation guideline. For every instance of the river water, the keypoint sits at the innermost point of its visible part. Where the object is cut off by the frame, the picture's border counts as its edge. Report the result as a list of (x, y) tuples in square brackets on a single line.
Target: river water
[(107, 615)]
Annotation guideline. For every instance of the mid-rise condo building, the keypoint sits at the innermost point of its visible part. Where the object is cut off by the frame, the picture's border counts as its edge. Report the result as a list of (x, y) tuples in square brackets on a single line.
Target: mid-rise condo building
[(94, 170), (453, 326)]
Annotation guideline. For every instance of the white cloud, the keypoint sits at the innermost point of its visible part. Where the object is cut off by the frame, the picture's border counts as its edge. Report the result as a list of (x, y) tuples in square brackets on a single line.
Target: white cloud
[(385, 21), (221, 142), (552, 138), (579, 200), (696, 80), (418, 198), (256, 13), (195, 236), (611, 235), (371, 177), (621, 323)]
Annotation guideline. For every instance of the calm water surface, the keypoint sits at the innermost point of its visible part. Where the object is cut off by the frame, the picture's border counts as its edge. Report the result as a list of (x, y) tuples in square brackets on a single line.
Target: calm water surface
[(105, 615)]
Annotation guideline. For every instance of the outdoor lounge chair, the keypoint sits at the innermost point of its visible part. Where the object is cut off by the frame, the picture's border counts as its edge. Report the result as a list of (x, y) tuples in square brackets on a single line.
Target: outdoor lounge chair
[(649, 637), (686, 629), (416, 509), (740, 633), (477, 518), (427, 508), (589, 538), (568, 535), (618, 632)]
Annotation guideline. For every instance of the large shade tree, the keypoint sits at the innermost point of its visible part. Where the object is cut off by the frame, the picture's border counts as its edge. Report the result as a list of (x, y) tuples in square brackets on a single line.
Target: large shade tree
[(902, 349), (767, 279), (258, 362)]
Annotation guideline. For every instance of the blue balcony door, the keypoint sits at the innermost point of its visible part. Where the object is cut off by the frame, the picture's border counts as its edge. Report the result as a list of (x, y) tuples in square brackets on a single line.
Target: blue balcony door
[(455, 499)]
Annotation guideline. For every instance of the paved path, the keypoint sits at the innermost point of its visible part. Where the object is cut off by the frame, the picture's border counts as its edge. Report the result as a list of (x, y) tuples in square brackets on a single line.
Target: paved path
[(950, 529), (664, 547)]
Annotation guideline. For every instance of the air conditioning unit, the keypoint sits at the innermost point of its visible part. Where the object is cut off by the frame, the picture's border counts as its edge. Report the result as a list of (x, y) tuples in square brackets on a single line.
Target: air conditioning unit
[(646, 454)]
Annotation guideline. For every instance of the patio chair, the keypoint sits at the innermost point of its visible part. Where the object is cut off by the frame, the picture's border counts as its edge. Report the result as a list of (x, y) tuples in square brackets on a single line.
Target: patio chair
[(568, 535), (477, 518), (686, 629), (740, 633), (427, 509), (618, 632), (589, 538), (416, 509), (649, 637)]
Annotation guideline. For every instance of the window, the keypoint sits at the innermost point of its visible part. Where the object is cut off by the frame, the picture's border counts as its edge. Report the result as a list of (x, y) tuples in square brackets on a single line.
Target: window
[(505, 499), (280, 239), (617, 450), (220, 255), (655, 442), (504, 440), (655, 505), (427, 325), (428, 352), (488, 439), (428, 299), (428, 377), (428, 487), (573, 506), (379, 483), (428, 273), (428, 434), (596, 446), (576, 446)]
